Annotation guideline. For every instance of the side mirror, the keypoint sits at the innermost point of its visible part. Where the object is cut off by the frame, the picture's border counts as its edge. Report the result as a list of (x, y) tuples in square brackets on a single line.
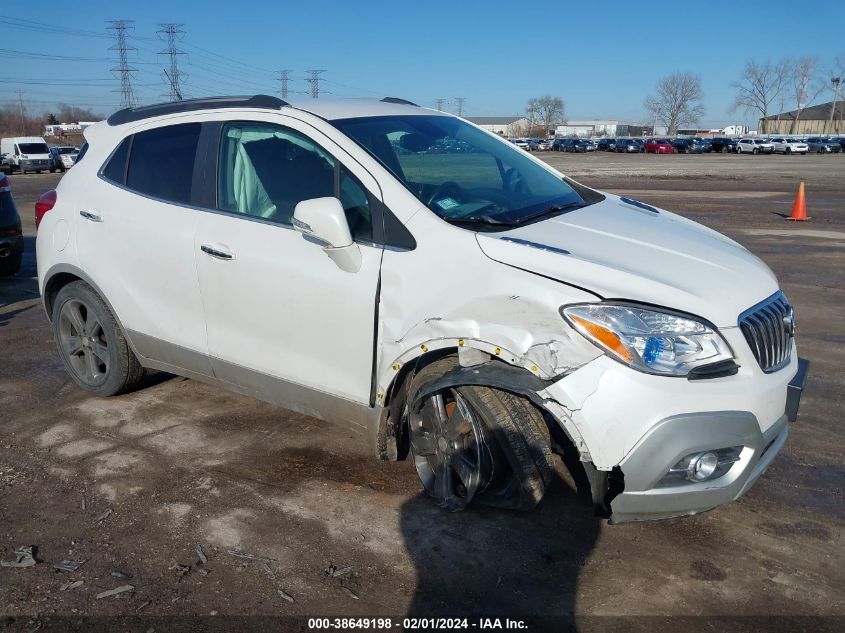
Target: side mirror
[(323, 220)]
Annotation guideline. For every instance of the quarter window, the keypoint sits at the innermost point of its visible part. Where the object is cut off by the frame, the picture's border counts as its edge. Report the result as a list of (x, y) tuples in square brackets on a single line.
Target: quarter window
[(115, 169), (161, 163), (266, 170)]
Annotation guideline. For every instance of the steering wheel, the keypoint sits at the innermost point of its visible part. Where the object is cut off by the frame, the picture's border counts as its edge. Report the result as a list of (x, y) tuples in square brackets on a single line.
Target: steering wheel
[(449, 189)]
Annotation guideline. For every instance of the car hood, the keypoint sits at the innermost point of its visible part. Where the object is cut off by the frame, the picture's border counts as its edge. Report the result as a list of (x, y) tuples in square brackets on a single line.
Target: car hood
[(623, 249)]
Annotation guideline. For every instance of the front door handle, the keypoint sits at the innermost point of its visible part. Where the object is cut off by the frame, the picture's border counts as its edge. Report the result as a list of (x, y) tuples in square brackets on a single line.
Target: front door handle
[(217, 251), (91, 215)]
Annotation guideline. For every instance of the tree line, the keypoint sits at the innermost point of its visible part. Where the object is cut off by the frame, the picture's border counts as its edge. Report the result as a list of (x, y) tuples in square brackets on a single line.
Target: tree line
[(16, 120)]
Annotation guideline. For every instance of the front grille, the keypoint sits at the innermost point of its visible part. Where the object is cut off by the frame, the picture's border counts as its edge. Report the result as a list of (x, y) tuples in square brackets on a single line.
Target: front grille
[(769, 328)]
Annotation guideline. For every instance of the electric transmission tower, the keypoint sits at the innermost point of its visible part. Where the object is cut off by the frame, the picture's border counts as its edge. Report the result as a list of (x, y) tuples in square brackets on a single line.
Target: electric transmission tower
[(460, 101), (170, 32), (284, 78), (123, 70), (438, 103), (314, 80)]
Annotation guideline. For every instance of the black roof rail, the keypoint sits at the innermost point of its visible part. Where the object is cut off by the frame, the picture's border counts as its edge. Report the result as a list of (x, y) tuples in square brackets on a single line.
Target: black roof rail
[(399, 101), (127, 115)]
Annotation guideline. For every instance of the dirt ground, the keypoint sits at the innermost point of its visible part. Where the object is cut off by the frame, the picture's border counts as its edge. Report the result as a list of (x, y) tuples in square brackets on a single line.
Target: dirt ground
[(180, 465)]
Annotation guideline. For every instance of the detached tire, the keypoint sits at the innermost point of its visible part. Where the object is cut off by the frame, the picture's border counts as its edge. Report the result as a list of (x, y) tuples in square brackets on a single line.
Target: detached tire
[(479, 443), (91, 344)]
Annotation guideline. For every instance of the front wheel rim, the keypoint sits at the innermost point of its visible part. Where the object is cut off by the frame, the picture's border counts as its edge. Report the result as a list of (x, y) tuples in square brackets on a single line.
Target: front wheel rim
[(84, 343), (450, 452)]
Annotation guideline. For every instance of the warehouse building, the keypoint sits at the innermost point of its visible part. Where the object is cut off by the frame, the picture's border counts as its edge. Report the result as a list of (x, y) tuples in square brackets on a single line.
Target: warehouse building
[(812, 120), (502, 125)]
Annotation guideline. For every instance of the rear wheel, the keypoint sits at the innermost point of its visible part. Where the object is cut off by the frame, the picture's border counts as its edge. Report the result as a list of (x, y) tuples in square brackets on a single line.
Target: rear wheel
[(92, 346), (478, 443), (755, 151)]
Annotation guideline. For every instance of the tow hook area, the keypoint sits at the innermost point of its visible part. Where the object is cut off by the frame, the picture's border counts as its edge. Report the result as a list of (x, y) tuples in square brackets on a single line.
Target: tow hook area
[(605, 486)]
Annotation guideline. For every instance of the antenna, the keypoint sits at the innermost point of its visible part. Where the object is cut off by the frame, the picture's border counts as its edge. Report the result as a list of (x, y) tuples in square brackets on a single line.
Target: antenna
[(314, 80), (170, 32), (284, 78), (123, 70)]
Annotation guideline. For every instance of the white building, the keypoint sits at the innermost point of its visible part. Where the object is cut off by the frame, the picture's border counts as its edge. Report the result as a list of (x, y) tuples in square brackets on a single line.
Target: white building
[(735, 130), (589, 128), (503, 125)]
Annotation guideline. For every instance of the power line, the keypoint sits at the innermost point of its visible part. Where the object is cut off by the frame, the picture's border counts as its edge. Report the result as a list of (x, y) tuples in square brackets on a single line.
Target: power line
[(314, 80), (284, 78), (460, 101), (438, 103), (123, 69), (170, 32)]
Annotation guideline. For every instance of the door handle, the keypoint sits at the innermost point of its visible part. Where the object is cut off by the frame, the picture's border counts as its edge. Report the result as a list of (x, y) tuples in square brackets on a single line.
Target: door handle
[(90, 215), (216, 251)]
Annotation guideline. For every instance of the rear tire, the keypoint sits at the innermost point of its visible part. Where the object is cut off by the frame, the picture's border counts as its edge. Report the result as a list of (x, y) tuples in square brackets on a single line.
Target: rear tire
[(508, 445), (91, 343)]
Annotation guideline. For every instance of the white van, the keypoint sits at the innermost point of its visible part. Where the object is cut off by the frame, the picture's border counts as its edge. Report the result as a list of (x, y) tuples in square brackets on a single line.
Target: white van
[(27, 153)]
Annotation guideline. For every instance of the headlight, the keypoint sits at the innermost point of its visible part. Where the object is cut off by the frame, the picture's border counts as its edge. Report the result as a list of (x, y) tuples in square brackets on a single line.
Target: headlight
[(648, 340)]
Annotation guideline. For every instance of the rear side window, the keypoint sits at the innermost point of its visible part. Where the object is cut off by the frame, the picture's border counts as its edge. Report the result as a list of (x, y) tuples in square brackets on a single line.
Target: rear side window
[(161, 162), (115, 169)]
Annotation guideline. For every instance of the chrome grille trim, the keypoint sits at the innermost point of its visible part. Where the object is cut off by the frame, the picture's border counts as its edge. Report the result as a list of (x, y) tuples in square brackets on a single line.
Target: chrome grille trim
[(768, 329)]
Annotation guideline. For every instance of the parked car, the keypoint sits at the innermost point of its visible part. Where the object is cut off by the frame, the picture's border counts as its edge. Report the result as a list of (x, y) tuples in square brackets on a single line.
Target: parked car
[(784, 145), (628, 145), (823, 145), (658, 146), (533, 144), (723, 145), (557, 145), (686, 146), (544, 145), (754, 146), (706, 145), (62, 157), (604, 144), (576, 145), (521, 143), (5, 164), (26, 153), (11, 233), (303, 257)]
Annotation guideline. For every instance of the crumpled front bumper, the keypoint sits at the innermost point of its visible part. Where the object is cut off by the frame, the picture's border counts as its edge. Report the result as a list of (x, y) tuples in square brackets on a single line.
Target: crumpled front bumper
[(674, 437)]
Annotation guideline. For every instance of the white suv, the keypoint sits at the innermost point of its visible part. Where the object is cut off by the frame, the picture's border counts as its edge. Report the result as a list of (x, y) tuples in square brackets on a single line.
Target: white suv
[(784, 145), (473, 308)]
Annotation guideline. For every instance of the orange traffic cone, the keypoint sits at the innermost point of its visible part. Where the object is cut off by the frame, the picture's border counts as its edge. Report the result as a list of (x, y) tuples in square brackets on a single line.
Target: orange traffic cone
[(799, 207)]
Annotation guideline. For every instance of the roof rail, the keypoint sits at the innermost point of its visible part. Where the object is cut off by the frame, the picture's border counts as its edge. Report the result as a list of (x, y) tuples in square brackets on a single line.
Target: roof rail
[(399, 101), (127, 115)]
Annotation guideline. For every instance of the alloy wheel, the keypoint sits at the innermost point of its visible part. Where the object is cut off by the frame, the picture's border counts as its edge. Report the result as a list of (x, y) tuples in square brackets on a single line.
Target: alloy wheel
[(83, 342), (450, 451)]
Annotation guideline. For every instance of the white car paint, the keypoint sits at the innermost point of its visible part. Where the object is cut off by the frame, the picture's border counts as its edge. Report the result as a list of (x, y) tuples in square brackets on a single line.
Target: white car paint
[(754, 146), (784, 145), (284, 310)]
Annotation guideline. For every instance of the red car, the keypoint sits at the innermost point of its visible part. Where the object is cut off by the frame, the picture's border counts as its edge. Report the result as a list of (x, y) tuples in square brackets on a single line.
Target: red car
[(659, 146)]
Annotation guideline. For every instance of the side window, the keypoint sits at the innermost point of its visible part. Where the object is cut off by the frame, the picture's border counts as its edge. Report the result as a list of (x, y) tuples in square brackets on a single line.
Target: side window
[(265, 170), (115, 169), (161, 163)]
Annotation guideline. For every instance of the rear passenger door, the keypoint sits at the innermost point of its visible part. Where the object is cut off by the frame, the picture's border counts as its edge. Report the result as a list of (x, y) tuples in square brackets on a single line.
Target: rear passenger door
[(283, 320), (136, 238)]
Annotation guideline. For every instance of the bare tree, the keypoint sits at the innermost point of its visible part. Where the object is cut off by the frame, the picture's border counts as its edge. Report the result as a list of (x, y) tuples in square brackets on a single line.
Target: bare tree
[(676, 101), (532, 114), (761, 84), (551, 110), (804, 85)]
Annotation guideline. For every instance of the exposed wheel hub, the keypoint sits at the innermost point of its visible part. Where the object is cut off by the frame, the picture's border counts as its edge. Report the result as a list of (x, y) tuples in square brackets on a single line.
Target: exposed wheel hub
[(450, 452)]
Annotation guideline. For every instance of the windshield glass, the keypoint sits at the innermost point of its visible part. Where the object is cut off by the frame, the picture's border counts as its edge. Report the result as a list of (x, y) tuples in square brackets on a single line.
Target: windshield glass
[(460, 172), (33, 148)]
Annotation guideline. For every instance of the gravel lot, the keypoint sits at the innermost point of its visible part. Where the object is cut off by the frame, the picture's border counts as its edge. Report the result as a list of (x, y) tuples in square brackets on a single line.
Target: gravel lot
[(181, 464)]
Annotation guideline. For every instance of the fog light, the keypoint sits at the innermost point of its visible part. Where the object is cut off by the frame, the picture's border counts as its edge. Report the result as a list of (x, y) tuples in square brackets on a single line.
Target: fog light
[(702, 466)]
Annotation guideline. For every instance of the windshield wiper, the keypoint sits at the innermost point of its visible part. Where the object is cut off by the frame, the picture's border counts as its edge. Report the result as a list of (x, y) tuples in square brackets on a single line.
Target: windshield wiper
[(478, 219), (551, 211)]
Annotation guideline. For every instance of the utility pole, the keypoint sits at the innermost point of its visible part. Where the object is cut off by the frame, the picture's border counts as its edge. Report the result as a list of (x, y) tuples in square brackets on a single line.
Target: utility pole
[(460, 101), (123, 70), (284, 78), (170, 32), (438, 103), (23, 120), (314, 80), (835, 81)]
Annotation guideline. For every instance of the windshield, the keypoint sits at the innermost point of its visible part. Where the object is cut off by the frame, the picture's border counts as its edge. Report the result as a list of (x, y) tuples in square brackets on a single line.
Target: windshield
[(33, 148), (67, 150), (460, 172)]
